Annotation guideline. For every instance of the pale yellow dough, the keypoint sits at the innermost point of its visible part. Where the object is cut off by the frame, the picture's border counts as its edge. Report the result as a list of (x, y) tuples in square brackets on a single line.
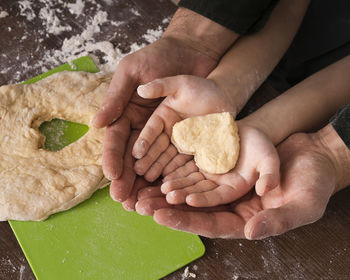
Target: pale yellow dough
[(212, 139), (35, 183)]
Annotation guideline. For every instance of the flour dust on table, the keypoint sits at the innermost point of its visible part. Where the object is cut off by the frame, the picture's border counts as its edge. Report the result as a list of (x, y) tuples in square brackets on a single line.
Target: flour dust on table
[(92, 19)]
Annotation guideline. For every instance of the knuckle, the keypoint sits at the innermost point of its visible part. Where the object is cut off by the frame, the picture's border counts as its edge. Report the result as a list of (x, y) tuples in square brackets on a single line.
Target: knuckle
[(177, 162), (185, 80), (170, 152), (157, 167)]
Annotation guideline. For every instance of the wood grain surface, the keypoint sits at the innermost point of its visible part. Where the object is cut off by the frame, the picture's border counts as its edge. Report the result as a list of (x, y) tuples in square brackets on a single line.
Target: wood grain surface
[(317, 251)]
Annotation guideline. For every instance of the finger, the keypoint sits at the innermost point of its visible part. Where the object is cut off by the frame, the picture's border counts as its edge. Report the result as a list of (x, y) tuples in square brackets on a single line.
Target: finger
[(212, 225), (157, 167), (181, 183), (120, 90), (269, 175), (129, 203), (114, 143), (150, 203), (181, 196), (222, 194), (148, 135), (183, 171), (149, 192), (279, 220), (121, 188), (157, 148), (178, 161), (162, 87), (147, 206)]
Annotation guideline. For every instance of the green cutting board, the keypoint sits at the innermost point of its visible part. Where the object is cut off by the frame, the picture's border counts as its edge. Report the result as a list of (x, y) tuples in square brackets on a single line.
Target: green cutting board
[(98, 239)]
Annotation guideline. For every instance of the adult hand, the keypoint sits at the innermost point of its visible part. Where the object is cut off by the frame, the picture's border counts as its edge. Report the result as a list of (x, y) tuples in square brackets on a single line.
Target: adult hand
[(185, 48), (313, 167)]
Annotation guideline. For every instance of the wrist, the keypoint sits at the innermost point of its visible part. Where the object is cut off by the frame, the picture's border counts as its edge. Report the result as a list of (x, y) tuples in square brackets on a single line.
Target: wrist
[(334, 148), (232, 99), (262, 125), (200, 33)]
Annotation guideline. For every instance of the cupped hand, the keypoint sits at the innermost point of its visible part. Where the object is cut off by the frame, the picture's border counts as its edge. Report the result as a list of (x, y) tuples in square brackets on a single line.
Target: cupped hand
[(186, 96), (258, 164), (125, 113), (308, 179)]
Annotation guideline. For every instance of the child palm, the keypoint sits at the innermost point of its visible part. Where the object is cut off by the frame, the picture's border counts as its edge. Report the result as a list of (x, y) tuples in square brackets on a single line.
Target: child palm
[(185, 96), (258, 164)]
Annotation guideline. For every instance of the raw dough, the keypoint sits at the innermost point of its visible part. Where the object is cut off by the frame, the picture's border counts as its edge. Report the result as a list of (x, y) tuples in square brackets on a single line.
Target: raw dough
[(212, 139), (35, 183)]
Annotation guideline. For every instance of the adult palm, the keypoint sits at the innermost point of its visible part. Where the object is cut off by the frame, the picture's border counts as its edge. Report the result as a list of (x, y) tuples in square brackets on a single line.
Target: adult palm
[(308, 179)]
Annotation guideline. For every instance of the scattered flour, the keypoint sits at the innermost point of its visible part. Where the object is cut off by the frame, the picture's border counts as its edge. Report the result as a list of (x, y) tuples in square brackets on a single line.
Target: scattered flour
[(187, 274), (26, 9), (52, 17), (76, 45), (7, 265), (85, 44), (3, 14), (153, 34), (76, 8), (51, 22), (135, 12), (21, 270), (166, 20)]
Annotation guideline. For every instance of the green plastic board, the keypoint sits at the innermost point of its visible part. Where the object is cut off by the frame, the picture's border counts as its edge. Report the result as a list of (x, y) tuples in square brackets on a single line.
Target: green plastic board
[(98, 239)]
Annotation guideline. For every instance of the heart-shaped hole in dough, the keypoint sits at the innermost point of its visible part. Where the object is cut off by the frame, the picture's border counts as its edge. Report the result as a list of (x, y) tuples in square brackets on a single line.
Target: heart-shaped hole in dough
[(213, 140), (60, 133)]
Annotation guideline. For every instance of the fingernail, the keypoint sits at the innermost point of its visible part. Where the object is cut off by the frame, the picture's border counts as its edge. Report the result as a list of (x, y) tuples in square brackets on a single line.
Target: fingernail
[(117, 199), (141, 90), (138, 155), (139, 170), (260, 231), (141, 210), (163, 188), (140, 147), (127, 208), (171, 197), (110, 176), (172, 194)]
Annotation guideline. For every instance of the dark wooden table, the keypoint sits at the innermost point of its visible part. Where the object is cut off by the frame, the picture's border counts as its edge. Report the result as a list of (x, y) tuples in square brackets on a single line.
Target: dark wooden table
[(317, 251)]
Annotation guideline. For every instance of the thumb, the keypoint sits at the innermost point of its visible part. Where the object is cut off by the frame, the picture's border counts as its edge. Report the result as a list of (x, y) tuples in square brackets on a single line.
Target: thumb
[(120, 90), (161, 87), (269, 174), (275, 221)]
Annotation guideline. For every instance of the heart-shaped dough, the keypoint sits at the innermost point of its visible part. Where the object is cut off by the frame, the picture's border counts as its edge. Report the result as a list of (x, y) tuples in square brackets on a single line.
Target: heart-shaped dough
[(212, 139), (34, 182)]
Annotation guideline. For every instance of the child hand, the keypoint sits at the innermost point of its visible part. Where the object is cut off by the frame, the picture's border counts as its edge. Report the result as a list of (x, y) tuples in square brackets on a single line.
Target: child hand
[(258, 165), (186, 96)]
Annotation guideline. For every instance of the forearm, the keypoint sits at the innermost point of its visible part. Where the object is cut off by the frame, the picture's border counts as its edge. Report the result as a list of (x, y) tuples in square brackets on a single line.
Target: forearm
[(200, 33), (307, 105), (252, 58)]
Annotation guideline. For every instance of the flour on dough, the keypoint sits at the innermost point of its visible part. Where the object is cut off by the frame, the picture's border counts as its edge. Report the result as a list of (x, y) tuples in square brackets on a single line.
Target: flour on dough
[(212, 139), (35, 183)]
